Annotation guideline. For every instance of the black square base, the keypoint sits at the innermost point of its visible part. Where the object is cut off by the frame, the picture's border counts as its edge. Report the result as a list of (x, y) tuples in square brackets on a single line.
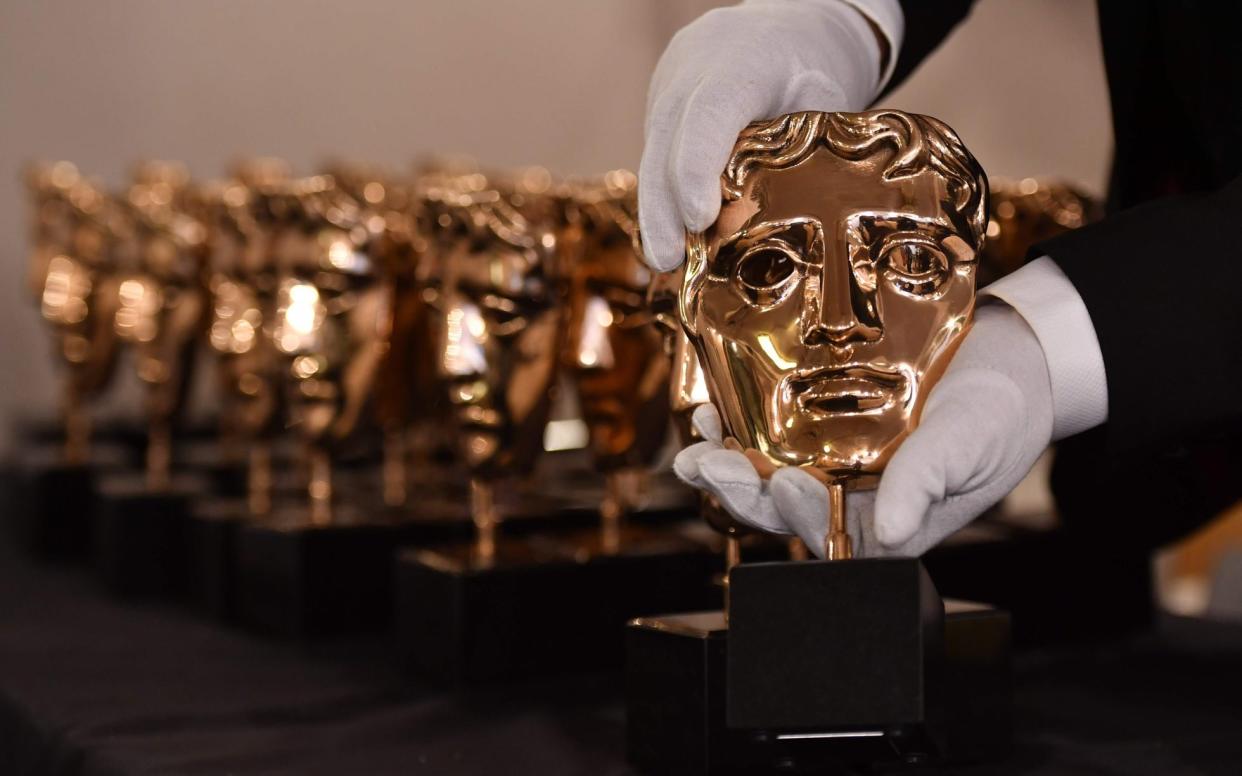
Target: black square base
[(49, 502), (139, 535), (211, 538), (828, 653), (676, 690), (296, 579), (51, 509), (675, 697), (543, 605)]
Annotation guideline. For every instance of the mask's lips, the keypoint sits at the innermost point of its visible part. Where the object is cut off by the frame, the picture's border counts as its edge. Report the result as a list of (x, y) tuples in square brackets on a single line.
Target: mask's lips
[(856, 389)]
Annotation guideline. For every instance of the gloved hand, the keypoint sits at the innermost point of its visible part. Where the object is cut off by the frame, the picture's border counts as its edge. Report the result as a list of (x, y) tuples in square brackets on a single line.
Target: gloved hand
[(983, 427), (726, 69), (789, 502)]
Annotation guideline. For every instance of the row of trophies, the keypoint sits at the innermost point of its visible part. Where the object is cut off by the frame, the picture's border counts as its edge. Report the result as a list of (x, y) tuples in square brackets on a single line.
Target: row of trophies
[(448, 308), (349, 300), (353, 298)]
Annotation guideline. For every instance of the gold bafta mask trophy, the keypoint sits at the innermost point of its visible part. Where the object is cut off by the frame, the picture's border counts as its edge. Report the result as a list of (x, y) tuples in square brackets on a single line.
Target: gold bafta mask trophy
[(408, 402), (72, 259), (242, 283), (163, 302), (1025, 212), (75, 228), (615, 352), (824, 303), (332, 322), (498, 314)]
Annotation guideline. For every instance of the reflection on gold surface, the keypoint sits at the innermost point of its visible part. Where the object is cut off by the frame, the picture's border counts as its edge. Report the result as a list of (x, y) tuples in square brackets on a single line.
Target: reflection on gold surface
[(835, 285)]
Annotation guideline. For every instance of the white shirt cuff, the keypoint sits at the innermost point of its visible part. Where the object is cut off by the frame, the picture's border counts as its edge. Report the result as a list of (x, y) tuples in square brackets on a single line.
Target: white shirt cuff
[(887, 16), (1045, 297)]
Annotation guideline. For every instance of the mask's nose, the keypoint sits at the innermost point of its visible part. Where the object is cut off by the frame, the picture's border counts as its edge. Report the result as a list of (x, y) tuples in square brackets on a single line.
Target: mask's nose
[(838, 312), (463, 335), (594, 350)]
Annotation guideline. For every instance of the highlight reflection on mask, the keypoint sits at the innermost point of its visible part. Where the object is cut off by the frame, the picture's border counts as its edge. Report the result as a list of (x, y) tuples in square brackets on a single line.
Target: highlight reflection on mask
[(615, 352), (836, 283), (498, 316)]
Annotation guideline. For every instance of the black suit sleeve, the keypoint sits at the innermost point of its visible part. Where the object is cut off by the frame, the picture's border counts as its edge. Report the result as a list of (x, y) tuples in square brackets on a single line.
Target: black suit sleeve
[(927, 24), (1160, 282)]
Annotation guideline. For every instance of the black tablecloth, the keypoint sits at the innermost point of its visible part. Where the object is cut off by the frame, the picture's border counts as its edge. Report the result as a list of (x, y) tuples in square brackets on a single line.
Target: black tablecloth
[(92, 686)]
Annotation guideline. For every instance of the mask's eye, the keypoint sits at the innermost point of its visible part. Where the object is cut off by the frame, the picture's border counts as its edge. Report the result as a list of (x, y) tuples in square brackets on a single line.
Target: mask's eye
[(914, 266), (766, 274)]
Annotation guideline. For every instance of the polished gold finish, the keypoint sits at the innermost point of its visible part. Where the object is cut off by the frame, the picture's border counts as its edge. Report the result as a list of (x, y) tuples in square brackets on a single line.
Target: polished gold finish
[(496, 286), (332, 320), (163, 299), (834, 287), (75, 226), (1025, 212)]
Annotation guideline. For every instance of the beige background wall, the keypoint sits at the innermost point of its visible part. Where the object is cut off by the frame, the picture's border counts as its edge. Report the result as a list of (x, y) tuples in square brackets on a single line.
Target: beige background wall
[(558, 82)]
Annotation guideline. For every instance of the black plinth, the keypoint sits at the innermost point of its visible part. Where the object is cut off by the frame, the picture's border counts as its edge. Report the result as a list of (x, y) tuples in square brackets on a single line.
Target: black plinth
[(138, 535), (543, 605), (51, 509), (675, 697), (676, 701), (831, 645), (297, 579), (211, 531), (50, 502)]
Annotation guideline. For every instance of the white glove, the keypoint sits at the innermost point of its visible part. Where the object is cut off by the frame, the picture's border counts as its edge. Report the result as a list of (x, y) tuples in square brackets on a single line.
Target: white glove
[(983, 427), (733, 66), (790, 502)]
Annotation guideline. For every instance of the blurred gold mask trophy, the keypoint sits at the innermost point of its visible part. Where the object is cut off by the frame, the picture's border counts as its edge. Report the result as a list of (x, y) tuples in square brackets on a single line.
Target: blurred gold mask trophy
[(71, 265), (498, 313), (1026, 212), (332, 322), (407, 399), (834, 287), (242, 284), (162, 300), (615, 352)]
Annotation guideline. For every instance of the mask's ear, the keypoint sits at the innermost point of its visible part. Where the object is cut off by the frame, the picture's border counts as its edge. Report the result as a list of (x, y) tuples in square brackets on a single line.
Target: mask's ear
[(692, 286)]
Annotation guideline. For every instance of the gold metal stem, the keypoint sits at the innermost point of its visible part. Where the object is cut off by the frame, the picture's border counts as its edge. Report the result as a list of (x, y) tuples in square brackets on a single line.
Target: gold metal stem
[(733, 556), (320, 487), (159, 456), (259, 479), (798, 550), (394, 466), (483, 513), (611, 513), (837, 545)]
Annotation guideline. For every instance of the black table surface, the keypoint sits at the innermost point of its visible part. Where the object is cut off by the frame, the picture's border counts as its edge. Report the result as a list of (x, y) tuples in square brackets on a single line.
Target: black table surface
[(92, 686)]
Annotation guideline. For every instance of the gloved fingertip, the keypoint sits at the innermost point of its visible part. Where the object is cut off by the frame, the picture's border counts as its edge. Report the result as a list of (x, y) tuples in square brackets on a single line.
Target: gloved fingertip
[(706, 421), (728, 469), (686, 462)]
